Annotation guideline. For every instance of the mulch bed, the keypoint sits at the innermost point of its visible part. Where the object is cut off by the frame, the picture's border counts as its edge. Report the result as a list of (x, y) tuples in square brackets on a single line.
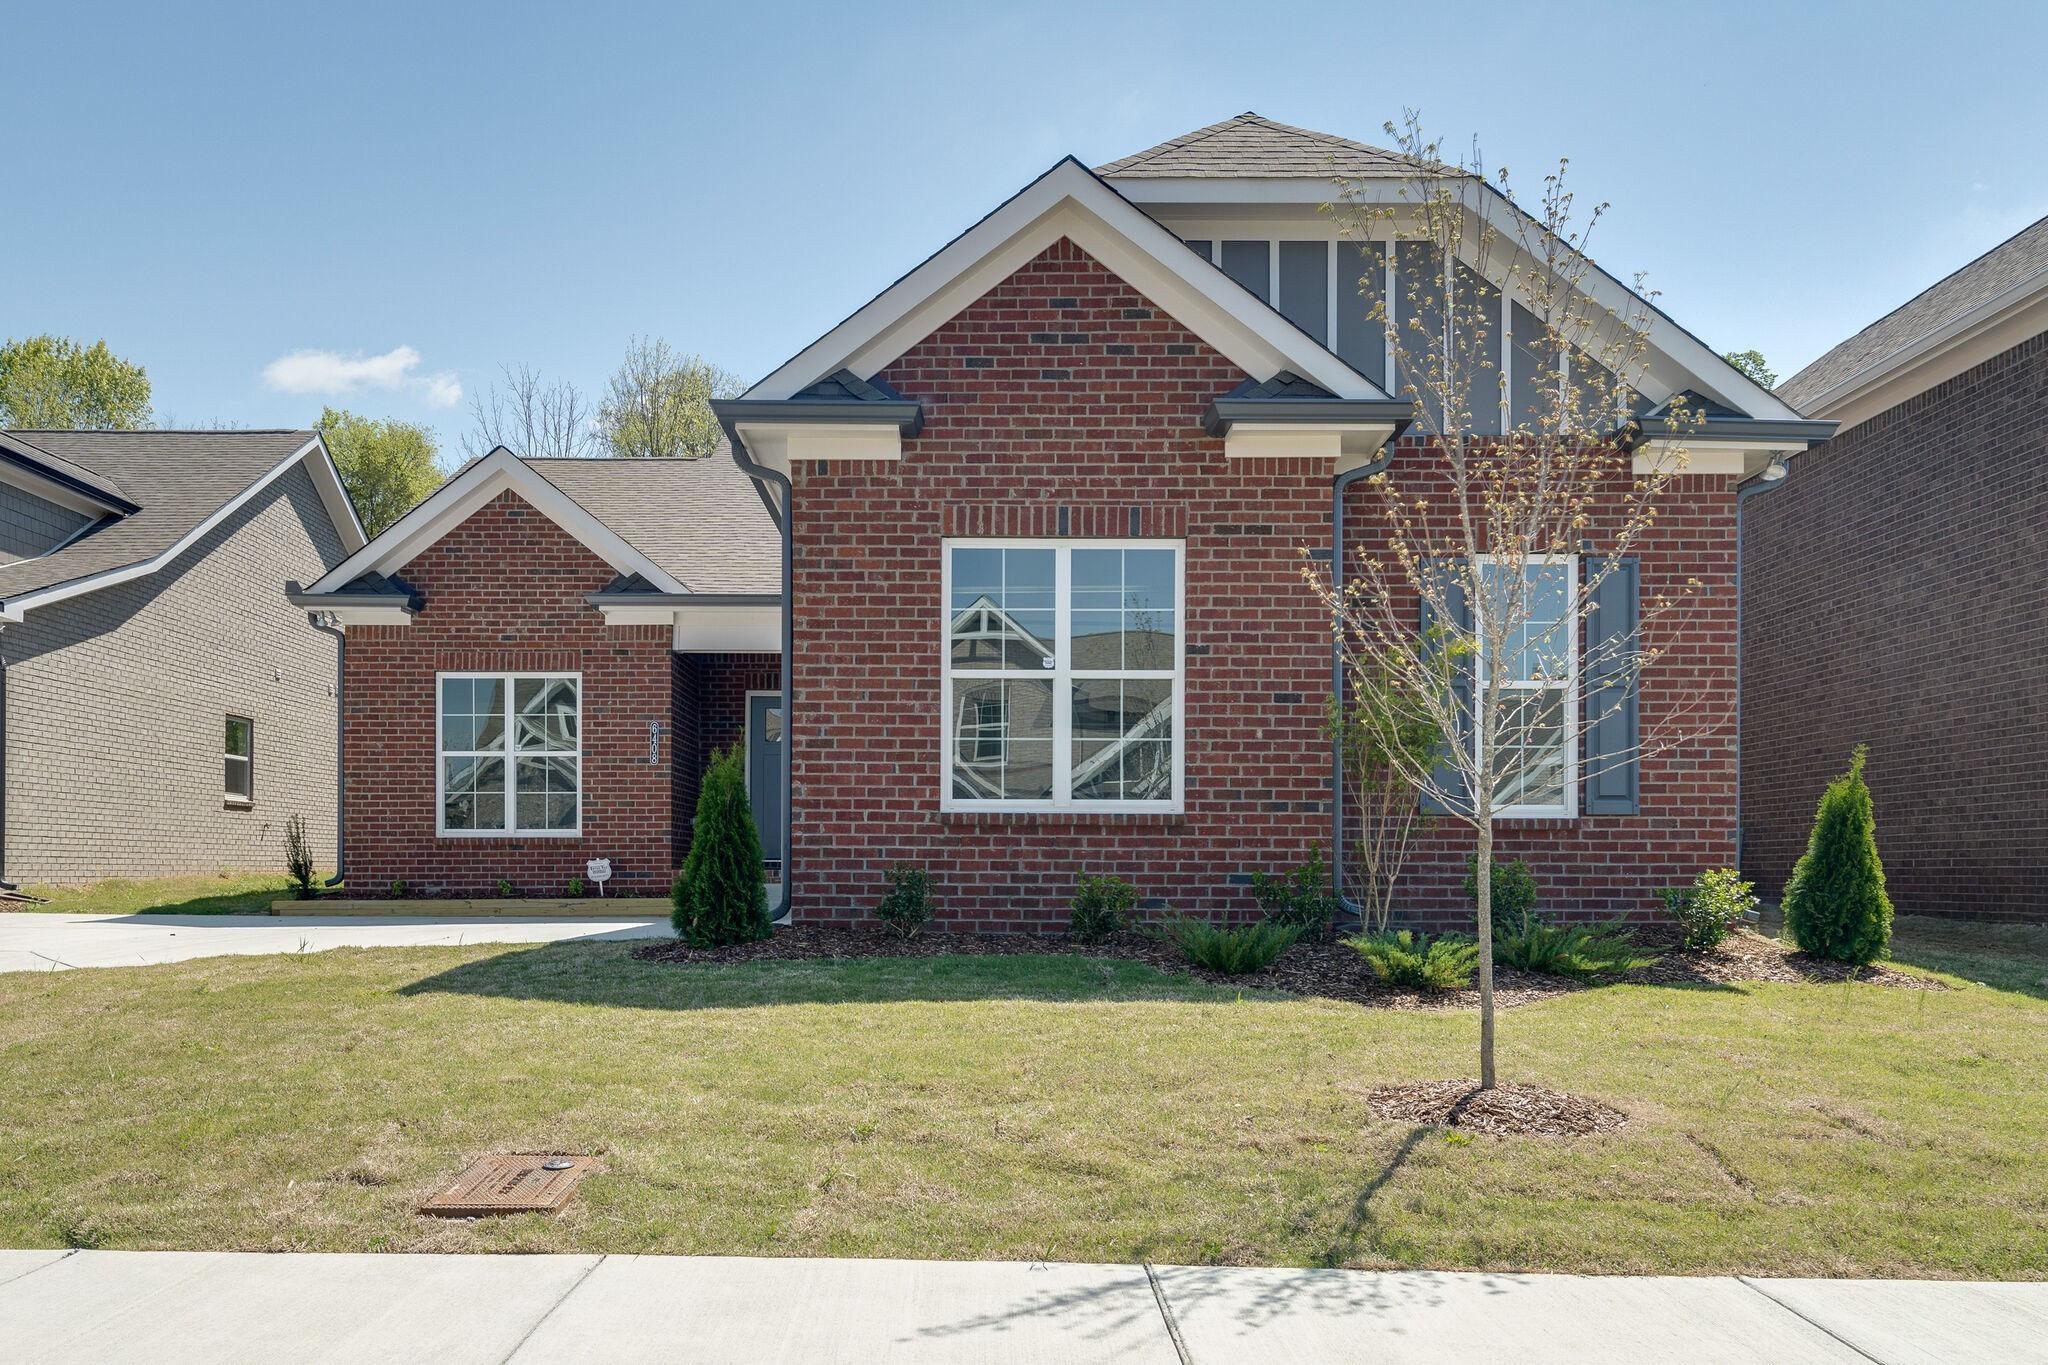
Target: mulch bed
[(1328, 969), (1505, 1110)]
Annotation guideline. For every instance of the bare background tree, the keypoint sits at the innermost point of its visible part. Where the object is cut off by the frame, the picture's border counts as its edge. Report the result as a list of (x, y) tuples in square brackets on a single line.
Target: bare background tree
[(527, 417), (659, 403), (1506, 527)]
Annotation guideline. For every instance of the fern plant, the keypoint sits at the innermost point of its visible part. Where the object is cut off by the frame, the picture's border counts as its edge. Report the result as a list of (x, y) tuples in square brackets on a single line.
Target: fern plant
[(1232, 951), (1406, 957), (1574, 950)]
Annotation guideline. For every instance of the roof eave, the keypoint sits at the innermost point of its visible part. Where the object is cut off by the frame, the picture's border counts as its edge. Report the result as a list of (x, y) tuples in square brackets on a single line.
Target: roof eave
[(1223, 413), (906, 415)]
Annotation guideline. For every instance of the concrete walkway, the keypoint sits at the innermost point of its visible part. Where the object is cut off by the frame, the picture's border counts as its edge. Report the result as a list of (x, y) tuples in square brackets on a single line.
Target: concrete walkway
[(170, 1307), (31, 942)]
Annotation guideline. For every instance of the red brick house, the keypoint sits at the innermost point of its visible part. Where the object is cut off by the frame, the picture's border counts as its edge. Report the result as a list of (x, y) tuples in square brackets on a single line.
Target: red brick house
[(1018, 544), (1894, 598)]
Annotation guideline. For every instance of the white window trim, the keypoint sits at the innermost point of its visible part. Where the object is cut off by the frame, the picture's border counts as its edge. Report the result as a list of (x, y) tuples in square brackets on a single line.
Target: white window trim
[(1062, 676), (236, 800), (509, 831), (1569, 808)]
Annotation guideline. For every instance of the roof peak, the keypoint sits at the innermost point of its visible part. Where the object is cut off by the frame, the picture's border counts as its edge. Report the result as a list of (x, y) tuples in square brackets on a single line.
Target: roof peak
[(1250, 145)]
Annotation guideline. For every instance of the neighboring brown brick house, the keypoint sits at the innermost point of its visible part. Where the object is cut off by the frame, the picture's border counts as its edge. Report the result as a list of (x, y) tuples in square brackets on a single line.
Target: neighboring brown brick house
[(1047, 498), (145, 638), (1895, 597)]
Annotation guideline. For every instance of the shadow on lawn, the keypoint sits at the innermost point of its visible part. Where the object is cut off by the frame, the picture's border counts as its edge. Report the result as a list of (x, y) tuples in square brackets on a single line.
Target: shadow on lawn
[(605, 974)]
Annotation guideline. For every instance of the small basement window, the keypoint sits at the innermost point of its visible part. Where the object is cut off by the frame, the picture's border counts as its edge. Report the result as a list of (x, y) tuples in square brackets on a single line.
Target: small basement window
[(241, 761)]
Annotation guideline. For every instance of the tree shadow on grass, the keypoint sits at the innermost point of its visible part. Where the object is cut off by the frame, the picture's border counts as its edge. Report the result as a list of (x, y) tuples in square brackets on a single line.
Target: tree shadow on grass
[(606, 974)]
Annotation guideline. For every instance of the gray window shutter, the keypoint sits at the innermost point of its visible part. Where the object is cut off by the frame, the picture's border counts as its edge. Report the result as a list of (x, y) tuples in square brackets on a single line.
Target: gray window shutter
[(1612, 722), (1447, 776)]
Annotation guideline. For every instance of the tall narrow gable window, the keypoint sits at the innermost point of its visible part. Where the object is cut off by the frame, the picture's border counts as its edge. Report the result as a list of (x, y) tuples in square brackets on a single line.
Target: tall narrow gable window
[(1063, 675), (240, 785), (510, 758)]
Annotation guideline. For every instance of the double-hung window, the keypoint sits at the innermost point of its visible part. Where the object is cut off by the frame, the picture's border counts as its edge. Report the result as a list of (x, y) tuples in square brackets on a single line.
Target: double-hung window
[(1535, 769), (1063, 675), (240, 762), (511, 758)]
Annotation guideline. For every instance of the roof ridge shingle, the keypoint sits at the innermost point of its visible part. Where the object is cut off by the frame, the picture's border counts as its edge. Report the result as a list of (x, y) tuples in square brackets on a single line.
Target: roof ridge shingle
[(1363, 158)]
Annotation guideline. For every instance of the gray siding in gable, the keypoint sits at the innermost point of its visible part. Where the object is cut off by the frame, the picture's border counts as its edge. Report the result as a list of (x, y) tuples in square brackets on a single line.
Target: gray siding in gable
[(116, 702), (30, 525)]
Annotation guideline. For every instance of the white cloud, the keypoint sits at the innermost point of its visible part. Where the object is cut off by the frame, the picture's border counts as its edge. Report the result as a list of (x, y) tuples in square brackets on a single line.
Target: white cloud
[(332, 374)]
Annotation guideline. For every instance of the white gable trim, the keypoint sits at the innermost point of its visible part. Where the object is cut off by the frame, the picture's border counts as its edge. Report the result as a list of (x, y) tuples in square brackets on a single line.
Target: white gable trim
[(462, 497), (1069, 201), (17, 608)]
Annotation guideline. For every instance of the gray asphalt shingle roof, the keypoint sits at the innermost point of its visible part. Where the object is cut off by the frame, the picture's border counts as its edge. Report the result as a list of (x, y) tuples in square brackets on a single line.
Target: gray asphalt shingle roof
[(2013, 262), (1253, 147), (177, 479), (701, 521)]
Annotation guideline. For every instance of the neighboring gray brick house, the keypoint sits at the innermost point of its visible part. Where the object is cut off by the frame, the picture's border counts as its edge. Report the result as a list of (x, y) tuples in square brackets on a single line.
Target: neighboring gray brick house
[(1895, 595), (163, 707)]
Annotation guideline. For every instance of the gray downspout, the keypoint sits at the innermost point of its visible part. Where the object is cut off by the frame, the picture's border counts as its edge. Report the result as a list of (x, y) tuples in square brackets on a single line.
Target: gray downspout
[(1349, 909), (1742, 497), (783, 517), (321, 623)]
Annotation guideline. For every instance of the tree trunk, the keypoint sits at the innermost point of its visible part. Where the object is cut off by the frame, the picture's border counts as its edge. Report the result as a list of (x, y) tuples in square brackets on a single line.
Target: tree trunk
[(1483, 875)]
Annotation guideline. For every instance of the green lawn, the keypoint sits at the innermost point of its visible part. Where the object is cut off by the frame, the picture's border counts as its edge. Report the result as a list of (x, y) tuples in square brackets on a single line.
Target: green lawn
[(224, 893), (1025, 1107)]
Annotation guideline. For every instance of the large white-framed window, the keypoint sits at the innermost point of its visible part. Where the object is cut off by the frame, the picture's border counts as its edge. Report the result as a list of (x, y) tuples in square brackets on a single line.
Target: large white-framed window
[(1537, 736), (1064, 671), (509, 755)]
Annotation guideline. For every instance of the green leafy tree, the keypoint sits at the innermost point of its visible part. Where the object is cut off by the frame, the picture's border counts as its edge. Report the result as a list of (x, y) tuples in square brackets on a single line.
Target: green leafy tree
[(659, 403), (387, 466), (1752, 363), (721, 895), (51, 383), (1835, 904)]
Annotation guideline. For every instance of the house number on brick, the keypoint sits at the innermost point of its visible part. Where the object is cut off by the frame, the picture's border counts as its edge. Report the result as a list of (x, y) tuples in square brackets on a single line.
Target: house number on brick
[(654, 741)]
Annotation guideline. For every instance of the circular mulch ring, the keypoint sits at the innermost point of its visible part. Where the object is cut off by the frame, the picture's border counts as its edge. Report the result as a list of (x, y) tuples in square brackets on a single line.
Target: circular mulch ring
[(1328, 969), (1505, 1110)]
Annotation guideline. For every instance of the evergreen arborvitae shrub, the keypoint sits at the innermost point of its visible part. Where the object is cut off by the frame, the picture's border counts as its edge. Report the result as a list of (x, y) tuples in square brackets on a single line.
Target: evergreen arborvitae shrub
[(1835, 904), (721, 895)]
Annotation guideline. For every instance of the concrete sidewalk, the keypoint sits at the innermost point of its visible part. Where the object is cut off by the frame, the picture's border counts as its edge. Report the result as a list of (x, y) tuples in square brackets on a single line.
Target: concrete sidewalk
[(169, 1307), (32, 942)]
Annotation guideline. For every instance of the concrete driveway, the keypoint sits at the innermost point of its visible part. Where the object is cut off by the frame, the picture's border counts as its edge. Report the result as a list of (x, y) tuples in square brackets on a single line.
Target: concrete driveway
[(169, 1307), (41, 943)]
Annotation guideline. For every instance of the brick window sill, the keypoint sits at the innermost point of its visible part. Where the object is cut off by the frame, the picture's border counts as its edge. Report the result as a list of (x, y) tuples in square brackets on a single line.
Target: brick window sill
[(232, 804)]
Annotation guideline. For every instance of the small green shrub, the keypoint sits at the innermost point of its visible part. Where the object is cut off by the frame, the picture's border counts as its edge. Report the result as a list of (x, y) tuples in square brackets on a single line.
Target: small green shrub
[(298, 858), (398, 888), (1514, 889), (1709, 909), (1232, 951), (504, 889), (1574, 950), (575, 887), (1404, 957), (1835, 904), (721, 895), (1102, 906), (907, 907), (1300, 898)]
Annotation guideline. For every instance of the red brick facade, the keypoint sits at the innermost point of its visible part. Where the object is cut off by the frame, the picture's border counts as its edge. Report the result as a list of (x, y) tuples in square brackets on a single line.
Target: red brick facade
[(1893, 587), (1063, 394), (505, 590)]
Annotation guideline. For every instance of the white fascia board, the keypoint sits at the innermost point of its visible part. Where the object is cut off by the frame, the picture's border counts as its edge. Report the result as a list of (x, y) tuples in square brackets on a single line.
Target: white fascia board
[(1343, 446), (17, 608), (462, 497), (727, 629), (341, 509), (49, 490), (1068, 201), (1995, 326), (1704, 457), (781, 442), (362, 615)]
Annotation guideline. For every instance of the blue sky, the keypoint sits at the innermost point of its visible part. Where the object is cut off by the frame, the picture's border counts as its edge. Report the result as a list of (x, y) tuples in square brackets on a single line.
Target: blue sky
[(214, 188)]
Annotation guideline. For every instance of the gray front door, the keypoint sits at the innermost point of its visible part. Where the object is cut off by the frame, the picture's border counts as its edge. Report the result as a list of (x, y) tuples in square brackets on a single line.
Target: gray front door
[(764, 769)]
